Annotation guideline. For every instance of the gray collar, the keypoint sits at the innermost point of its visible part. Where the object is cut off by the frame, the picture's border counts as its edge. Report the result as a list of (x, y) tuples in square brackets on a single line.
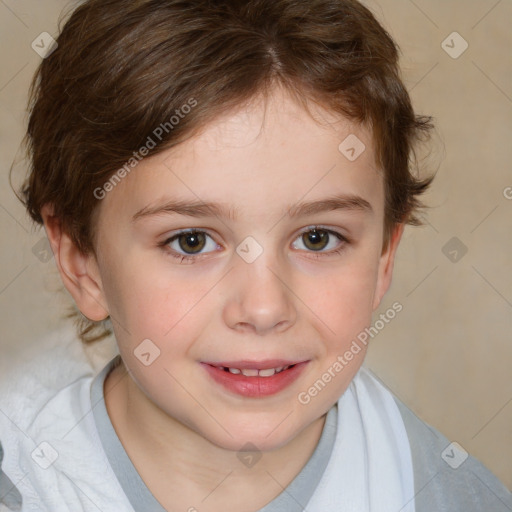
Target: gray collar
[(293, 499)]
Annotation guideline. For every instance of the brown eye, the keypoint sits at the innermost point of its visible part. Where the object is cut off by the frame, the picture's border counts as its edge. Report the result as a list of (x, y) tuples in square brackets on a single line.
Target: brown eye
[(186, 245), (315, 239), (192, 242)]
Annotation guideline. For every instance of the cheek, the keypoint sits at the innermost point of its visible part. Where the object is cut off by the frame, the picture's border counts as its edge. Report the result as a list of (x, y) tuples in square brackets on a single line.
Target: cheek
[(150, 303), (344, 300)]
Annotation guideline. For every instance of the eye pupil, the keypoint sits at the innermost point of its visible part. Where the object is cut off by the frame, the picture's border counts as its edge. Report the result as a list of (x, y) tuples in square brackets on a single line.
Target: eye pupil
[(314, 237), (193, 240)]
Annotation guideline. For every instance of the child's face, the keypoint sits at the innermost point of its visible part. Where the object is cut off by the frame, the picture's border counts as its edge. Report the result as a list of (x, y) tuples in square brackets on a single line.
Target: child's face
[(291, 302)]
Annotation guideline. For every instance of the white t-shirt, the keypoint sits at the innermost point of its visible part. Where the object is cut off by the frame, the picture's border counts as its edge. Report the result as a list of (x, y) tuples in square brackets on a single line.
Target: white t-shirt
[(61, 452)]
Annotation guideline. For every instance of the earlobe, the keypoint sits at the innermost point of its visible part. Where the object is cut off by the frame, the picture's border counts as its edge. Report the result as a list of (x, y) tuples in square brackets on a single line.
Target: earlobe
[(386, 263), (79, 272)]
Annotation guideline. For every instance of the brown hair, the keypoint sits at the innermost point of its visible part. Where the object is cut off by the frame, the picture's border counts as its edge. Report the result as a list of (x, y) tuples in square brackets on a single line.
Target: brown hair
[(122, 69)]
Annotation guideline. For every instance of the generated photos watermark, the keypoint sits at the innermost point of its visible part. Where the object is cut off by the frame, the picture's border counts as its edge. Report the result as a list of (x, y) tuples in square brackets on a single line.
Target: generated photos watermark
[(343, 360), (151, 143)]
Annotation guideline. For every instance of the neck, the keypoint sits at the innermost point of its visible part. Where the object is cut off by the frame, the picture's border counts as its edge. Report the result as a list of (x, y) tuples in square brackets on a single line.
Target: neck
[(184, 470)]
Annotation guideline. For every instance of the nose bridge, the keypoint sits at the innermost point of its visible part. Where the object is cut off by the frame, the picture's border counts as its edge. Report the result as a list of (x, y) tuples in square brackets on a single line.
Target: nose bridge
[(258, 296)]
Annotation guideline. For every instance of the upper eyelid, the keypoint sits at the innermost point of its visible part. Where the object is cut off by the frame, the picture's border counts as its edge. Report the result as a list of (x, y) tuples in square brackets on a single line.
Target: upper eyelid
[(185, 231)]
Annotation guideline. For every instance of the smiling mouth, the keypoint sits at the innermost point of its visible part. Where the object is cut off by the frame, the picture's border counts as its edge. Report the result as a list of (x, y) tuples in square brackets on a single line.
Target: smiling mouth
[(255, 379), (253, 372)]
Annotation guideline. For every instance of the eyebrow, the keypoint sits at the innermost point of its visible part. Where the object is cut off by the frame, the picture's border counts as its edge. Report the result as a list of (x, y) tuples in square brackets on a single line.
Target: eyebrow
[(347, 202)]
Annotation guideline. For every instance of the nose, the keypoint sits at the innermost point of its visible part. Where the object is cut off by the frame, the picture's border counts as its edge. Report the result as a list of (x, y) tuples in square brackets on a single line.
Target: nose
[(259, 299)]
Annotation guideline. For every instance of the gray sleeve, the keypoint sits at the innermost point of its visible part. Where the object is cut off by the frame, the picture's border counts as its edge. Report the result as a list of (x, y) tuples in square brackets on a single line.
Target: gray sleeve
[(446, 481), (10, 497)]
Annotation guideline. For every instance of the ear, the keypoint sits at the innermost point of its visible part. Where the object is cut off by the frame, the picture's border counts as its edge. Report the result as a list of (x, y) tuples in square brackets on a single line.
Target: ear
[(386, 262), (79, 272)]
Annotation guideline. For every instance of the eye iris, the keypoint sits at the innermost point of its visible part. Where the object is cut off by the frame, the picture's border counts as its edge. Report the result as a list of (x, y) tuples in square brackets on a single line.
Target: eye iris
[(314, 237), (193, 240)]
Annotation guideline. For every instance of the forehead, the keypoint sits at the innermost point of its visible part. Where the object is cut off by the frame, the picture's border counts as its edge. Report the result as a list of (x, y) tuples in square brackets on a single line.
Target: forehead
[(266, 154)]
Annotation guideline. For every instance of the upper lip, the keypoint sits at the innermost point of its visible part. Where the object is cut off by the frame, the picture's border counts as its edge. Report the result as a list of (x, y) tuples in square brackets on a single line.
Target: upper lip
[(246, 364)]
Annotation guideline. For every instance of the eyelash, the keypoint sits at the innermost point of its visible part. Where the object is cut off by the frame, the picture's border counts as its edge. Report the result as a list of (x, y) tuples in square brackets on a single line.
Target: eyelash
[(189, 258)]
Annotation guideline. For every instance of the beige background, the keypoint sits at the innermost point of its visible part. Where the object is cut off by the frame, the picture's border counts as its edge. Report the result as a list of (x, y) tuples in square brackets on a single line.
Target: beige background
[(448, 353)]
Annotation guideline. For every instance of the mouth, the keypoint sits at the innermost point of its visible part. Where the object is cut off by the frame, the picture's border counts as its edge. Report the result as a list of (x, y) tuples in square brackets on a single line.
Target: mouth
[(255, 378), (253, 372)]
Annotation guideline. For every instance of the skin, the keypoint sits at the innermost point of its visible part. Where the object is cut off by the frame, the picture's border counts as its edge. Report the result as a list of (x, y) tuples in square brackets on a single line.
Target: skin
[(182, 430)]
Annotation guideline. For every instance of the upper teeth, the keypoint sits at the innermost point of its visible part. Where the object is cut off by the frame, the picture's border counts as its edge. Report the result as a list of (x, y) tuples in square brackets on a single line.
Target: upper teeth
[(249, 372)]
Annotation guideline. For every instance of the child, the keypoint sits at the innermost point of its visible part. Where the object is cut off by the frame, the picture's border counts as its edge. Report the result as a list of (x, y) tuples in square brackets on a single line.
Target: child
[(227, 183)]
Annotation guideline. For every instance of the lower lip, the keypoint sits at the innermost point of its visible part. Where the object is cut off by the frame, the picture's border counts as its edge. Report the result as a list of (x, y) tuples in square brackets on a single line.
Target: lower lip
[(255, 386)]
